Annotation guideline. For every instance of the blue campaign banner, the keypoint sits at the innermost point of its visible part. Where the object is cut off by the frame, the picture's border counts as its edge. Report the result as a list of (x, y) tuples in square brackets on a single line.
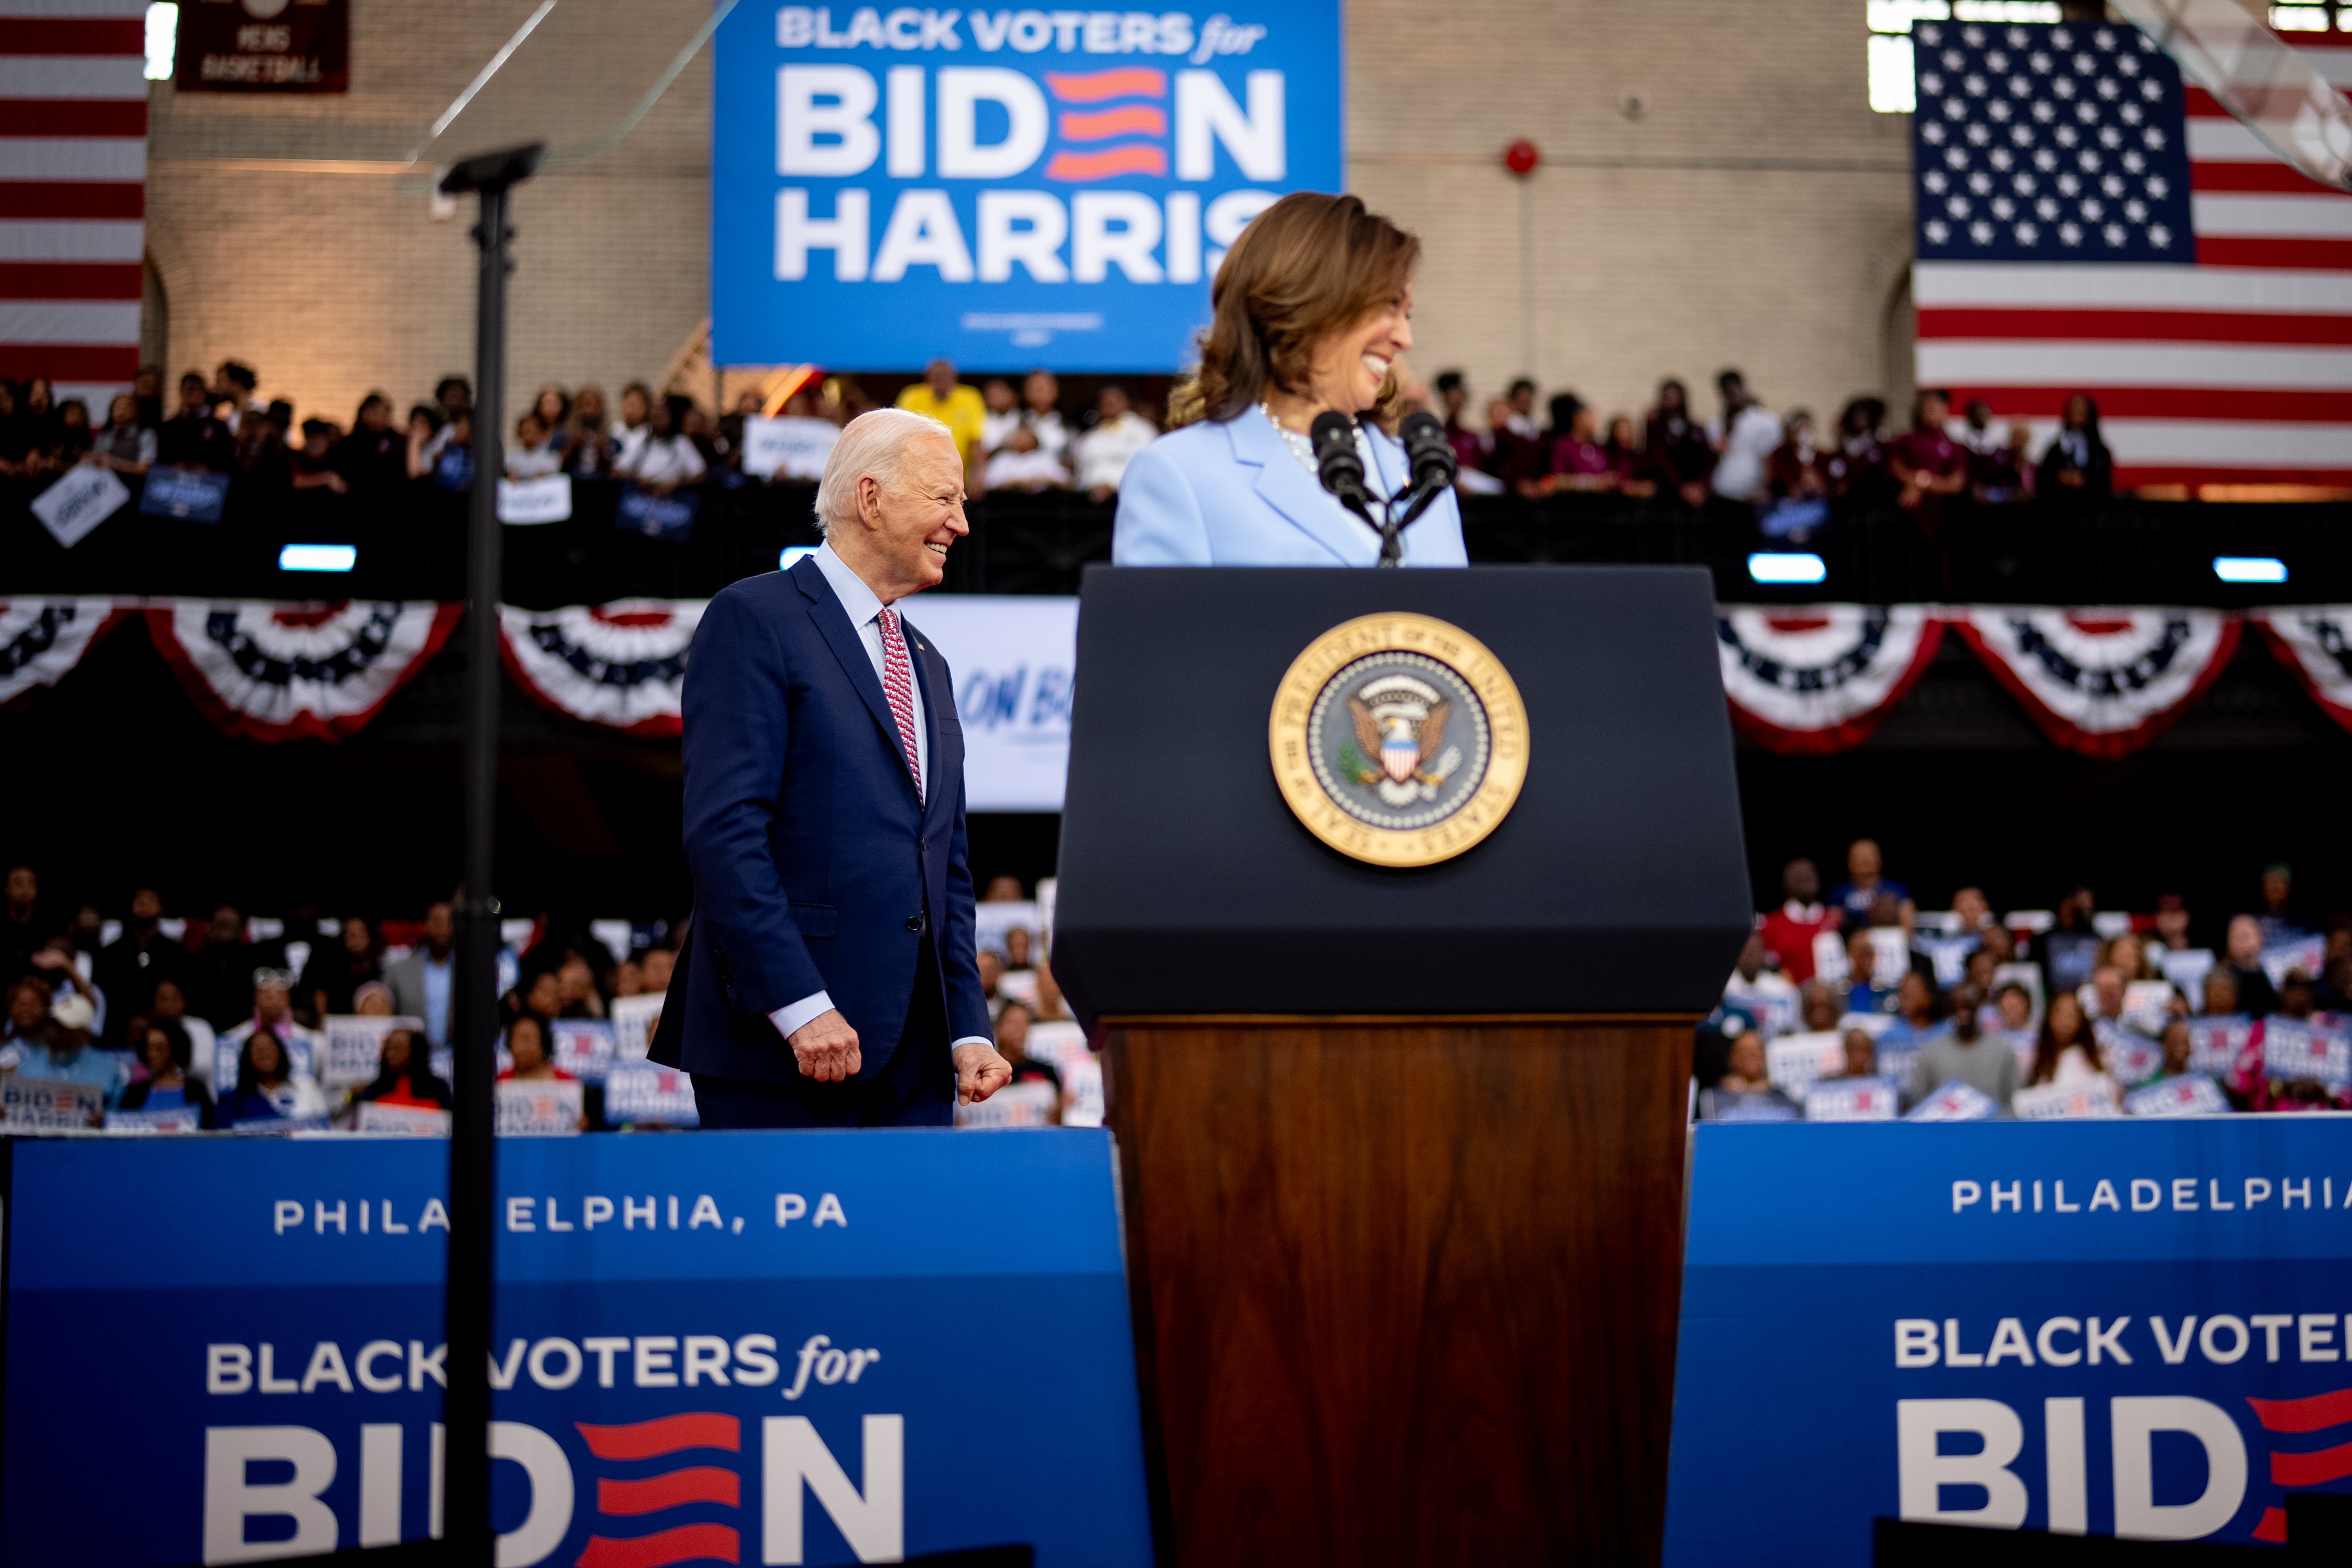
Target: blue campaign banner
[(2114, 1327), (187, 493), (1007, 188), (771, 1348)]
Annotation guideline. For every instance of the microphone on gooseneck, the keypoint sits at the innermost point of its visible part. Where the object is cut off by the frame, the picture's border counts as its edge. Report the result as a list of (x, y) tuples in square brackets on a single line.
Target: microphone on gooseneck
[(1431, 457), (1337, 462)]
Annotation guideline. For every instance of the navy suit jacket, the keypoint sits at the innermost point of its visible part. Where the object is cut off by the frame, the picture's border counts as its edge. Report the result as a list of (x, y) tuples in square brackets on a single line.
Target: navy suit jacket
[(813, 867)]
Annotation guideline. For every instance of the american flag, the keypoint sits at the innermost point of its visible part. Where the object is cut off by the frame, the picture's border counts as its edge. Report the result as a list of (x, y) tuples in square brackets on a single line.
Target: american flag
[(2087, 223), (73, 171)]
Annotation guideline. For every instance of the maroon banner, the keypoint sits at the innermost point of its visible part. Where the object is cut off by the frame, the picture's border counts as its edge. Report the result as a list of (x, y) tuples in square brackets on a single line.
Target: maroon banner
[(264, 46)]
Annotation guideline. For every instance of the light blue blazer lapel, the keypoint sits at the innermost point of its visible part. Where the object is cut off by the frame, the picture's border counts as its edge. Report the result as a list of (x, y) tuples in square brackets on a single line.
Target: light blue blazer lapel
[(1283, 484)]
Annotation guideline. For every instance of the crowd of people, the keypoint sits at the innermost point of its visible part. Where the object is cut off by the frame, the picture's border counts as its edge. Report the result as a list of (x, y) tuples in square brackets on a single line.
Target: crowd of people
[(1788, 473), (1786, 469), (223, 425), (226, 1017), (1854, 1004)]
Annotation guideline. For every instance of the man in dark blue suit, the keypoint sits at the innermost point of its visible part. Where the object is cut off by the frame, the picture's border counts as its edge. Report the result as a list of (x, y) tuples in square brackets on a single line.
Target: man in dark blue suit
[(829, 977)]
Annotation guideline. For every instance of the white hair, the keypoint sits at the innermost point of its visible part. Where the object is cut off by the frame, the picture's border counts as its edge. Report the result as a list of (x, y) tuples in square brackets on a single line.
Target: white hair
[(873, 443)]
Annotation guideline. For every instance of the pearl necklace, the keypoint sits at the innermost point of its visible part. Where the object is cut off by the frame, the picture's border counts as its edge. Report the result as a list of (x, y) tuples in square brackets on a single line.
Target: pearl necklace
[(1301, 448)]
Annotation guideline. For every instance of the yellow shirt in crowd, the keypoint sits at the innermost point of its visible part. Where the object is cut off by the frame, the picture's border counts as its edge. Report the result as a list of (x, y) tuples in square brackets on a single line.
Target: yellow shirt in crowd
[(961, 410)]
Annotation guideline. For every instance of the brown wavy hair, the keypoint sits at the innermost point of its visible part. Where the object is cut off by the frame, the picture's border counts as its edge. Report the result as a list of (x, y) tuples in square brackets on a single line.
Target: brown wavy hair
[(1307, 266)]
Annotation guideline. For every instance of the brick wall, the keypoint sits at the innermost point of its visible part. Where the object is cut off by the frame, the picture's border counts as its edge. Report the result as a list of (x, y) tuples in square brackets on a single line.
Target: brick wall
[(1755, 211)]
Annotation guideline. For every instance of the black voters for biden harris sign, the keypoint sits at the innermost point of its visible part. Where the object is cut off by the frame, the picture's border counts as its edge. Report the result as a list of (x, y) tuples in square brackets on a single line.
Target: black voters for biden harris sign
[(2112, 1327), (1007, 188), (756, 1348)]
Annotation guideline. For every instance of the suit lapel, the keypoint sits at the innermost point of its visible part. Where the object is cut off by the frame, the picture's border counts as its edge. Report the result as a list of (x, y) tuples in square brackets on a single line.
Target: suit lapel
[(832, 620), (1290, 489)]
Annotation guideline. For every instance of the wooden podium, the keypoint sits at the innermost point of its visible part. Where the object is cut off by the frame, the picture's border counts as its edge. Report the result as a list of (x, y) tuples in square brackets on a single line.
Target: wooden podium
[(1401, 1149)]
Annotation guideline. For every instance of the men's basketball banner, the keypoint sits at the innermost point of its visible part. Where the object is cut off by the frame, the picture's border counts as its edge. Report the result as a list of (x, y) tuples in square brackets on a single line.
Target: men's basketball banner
[(2104, 682), (1808, 680), (271, 671), (749, 1349), (2091, 1327), (1007, 188), (41, 640)]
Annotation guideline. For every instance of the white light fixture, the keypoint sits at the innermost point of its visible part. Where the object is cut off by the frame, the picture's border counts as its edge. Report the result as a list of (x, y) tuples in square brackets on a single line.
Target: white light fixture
[(2299, 19), (162, 40), (318, 557), (1799, 566), (2249, 569), (793, 555), (1893, 89)]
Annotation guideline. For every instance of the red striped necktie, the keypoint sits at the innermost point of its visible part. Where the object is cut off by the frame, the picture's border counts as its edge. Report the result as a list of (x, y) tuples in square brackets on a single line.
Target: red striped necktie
[(898, 685)]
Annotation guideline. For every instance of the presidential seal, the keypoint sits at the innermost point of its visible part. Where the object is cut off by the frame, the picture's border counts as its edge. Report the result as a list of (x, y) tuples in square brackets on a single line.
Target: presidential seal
[(1398, 739)]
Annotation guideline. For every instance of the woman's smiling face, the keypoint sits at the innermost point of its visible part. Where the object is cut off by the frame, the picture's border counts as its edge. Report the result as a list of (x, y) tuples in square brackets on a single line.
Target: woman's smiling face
[(1349, 366)]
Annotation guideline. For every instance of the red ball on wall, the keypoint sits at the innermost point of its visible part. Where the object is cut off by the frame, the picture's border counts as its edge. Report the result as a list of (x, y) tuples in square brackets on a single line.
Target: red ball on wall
[(1521, 157)]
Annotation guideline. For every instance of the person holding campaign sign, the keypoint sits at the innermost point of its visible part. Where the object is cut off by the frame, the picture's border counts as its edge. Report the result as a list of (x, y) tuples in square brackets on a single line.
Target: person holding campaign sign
[(527, 1048), (1309, 314), (829, 977), (403, 1078), (163, 1051), (267, 1088)]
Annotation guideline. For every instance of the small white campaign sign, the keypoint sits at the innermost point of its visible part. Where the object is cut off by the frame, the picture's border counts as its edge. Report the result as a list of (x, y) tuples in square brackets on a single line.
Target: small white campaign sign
[(2187, 968), (2306, 954), (793, 448), (992, 920), (2147, 1005), (1955, 1102), (538, 1107), (403, 1121), (1030, 1104), (2217, 1044), (1794, 1062), (634, 1020), (646, 1093), (546, 500), (2132, 1057), (146, 1123), (48, 1104), (2191, 1095), (2089, 1097), (2293, 1048), (355, 1047), (1851, 1100), (85, 497), (582, 1046)]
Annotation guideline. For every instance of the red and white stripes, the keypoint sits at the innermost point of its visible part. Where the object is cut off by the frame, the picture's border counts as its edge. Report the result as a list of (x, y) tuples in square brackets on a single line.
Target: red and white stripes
[(73, 171), (2235, 369)]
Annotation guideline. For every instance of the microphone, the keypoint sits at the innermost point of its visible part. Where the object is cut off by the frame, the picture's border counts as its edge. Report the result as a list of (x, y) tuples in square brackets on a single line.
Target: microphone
[(1337, 463), (1431, 457)]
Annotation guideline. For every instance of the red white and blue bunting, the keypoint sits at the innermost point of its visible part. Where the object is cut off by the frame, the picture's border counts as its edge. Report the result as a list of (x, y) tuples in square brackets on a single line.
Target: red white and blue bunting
[(2314, 641), (1809, 681), (41, 640), (2104, 682), (273, 672), (621, 664)]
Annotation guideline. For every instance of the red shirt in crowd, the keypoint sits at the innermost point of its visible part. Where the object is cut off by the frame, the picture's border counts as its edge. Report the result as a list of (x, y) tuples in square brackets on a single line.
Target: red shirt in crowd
[(1574, 456), (1929, 452), (1787, 933)]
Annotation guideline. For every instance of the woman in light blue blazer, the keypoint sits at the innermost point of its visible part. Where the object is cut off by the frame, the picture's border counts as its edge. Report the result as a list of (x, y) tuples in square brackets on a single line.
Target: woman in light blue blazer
[(1311, 311)]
